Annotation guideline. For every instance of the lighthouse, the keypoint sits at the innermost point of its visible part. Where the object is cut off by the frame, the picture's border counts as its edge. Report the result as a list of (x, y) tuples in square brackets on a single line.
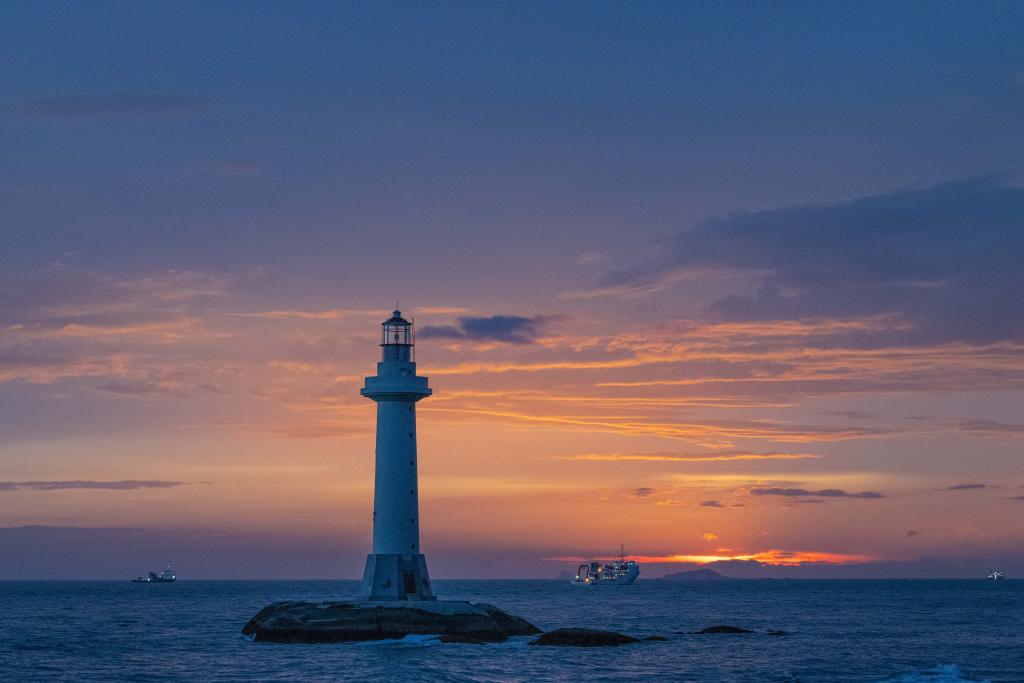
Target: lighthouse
[(396, 569)]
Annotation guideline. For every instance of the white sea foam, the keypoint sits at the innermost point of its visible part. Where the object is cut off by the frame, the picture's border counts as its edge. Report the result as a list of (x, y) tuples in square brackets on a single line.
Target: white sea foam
[(944, 673)]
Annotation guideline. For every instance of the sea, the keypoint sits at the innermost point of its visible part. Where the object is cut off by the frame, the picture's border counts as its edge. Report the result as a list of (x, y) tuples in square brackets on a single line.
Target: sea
[(894, 631)]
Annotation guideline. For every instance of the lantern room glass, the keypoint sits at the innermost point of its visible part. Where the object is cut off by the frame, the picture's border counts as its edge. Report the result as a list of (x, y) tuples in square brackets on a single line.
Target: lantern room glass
[(397, 338)]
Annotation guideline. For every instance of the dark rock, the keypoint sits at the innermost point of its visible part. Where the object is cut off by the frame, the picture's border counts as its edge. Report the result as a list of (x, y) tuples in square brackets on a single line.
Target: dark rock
[(583, 637), (724, 629), (776, 632), (337, 622), (655, 638)]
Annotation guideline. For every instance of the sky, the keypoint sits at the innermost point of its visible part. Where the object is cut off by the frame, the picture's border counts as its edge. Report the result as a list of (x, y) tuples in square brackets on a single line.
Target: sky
[(736, 285)]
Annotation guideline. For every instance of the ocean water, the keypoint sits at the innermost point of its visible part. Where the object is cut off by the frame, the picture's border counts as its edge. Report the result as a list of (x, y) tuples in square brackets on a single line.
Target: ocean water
[(935, 631)]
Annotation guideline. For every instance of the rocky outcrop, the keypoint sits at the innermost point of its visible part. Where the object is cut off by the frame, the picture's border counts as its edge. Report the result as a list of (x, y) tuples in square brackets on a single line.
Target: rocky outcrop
[(583, 637), (337, 622), (724, 629)]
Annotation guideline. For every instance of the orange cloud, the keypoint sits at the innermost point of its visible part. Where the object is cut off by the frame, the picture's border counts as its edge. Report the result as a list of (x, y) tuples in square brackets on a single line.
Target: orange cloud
[(717, 434), (777, 558), (330, 314), (694, 457)]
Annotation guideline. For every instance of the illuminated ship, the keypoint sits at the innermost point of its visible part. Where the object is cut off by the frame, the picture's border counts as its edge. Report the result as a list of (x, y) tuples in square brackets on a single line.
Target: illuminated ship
[(166, 576), (996, 576), (620, 572)]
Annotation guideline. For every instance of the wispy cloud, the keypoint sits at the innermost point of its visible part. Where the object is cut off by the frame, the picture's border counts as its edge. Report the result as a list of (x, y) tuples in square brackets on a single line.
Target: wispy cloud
[(328, 314), (123, 485), (777, 558), (715, 434), (687, 457), (990, 428), (967, 487), (804, 493)]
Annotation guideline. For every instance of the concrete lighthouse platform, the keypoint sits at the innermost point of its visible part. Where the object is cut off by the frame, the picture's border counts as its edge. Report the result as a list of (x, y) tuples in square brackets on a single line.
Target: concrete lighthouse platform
[(338, 622)]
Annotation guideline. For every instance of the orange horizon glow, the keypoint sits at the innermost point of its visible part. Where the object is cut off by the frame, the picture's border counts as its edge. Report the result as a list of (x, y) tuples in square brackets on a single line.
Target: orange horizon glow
[(774, 558)]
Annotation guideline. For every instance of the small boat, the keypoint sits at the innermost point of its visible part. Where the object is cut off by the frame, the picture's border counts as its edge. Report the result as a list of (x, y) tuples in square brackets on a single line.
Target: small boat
[(620, 572), (996, 576), (166, 576)]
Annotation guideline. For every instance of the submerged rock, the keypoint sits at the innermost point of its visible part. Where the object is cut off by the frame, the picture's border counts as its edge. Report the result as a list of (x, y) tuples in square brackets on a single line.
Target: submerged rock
[(337, 622), (724, 629), (583, 637)]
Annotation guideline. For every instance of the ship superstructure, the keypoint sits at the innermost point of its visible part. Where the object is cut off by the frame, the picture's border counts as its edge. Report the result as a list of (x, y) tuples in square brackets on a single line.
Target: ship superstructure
[(618, 572)]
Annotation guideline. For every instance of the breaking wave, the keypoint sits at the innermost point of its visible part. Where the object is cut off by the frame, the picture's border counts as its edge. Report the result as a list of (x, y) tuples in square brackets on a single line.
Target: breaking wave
[(944, 673)]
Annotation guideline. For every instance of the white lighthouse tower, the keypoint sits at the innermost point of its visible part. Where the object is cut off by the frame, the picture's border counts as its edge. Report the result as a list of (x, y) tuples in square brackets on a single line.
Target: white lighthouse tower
[(396, 570)]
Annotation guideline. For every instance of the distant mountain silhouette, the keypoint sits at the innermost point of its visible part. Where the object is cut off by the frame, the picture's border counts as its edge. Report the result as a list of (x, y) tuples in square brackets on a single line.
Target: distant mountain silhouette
[(697, 575)]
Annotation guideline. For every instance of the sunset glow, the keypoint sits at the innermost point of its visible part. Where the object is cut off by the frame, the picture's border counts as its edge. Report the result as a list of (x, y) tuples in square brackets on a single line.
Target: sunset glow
[(674, 287)]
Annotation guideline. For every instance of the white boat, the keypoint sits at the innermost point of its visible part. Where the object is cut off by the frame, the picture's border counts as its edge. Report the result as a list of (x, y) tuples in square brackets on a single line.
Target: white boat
[(620, 572), (996, 575), (166, 576)]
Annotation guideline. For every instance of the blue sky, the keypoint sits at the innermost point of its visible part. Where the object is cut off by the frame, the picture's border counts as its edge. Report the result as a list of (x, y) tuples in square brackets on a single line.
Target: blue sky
[(698, 250)]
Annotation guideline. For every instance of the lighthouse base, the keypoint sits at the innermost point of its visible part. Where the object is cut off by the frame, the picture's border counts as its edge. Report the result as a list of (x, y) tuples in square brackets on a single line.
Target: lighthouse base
[(396, 577)]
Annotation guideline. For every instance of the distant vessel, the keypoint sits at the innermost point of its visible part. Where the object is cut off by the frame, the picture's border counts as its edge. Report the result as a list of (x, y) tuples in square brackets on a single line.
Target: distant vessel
[(620, 572), (166, 576), (996, 576)]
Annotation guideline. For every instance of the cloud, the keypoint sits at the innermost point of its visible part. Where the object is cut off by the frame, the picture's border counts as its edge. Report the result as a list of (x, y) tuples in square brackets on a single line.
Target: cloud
[(60, 296), (329, 314), (124, 485), (911, 533), (644, 492), (773, 557), (589, 258), (930, 255), (967, 487), (804, 493), (708, 536), (722, 456), (709, 434), (990, 428), (511, 329), (711, 504), (75, 107)]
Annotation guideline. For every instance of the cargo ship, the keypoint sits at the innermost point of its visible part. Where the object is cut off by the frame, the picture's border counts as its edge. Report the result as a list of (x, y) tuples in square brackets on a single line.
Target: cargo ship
[(618, 572), (166, 576)]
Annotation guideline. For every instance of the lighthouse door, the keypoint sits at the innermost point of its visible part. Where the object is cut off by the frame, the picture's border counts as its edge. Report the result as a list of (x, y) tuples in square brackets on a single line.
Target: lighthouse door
[(409, 578)]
